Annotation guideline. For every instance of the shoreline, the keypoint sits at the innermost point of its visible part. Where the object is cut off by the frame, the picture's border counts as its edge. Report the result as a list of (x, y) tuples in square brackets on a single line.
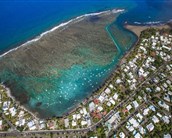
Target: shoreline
[(137, 29), (8, 91), (63, 24)]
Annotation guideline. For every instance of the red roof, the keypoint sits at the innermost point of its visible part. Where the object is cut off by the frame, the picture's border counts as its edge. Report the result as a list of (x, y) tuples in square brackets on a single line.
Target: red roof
[(125, 110), (96, 101)]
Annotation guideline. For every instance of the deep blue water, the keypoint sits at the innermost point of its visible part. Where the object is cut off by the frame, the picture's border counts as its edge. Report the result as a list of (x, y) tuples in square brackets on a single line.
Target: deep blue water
[(21, 20)]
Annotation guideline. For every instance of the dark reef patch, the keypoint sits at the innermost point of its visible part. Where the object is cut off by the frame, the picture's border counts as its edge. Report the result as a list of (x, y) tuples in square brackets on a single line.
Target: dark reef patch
[(94, 18), (18, 91)]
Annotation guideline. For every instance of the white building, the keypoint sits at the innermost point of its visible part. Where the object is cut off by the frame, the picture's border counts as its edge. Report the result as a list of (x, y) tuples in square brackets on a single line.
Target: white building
[(107, 91), (83, 123), (73, 123), (134, 122), (115, 97), (101, 98), (150, 127), (135, 103), (13, 111), (129, 107), (66, 121), (100, 108), (121, 135), (155, 119), (91, 106)]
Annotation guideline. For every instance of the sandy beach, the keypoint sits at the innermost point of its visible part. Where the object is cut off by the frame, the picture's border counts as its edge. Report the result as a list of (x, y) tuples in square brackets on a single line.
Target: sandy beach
[(138, 29)]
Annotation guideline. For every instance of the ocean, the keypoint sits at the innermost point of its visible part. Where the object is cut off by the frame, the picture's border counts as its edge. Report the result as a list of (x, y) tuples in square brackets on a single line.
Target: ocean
[(22, 21)]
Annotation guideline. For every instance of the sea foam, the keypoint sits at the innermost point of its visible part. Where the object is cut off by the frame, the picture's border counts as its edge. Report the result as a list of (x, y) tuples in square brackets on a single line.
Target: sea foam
[(79, 18)]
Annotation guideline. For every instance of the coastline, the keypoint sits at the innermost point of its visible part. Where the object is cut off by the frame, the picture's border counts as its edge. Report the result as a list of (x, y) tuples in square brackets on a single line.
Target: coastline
[(8, 91), (137, 29), (77, 19)]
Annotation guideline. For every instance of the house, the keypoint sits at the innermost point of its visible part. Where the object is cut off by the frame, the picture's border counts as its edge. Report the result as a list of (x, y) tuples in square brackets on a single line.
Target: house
[(118, 81), (81, 111), (66, 121), (20, 122), (168, 82), (13, 111), (167, 135), (164, 105), (158, 89), (6, 105), (78, 116), (144, 50), (88, 122), (167, 97), (73, 123), (21, 113), (112, 101), (146, 111), (151, 107), (165, 47), (125, 70), (140, 98), (113, 118), (158, 114), (129, 107), (101, 98), (150, 127), (165, 85), (142, 130), (91, 106), (42, 126), (84, 111), (107, 91), (0, 124), (130, 128), (108, 104), (121, 135), (83, 123), (100, 108), (166, 119), (115, 97), (140, 117), (31, 125), (135, 104), (134, 122), (96, 101), (148, 90), (111, 86), (137, 135), (74, 117), (155, 119)]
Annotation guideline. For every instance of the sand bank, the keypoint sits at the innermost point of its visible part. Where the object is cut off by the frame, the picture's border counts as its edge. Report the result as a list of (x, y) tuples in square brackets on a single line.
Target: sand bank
[(137, 29)]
